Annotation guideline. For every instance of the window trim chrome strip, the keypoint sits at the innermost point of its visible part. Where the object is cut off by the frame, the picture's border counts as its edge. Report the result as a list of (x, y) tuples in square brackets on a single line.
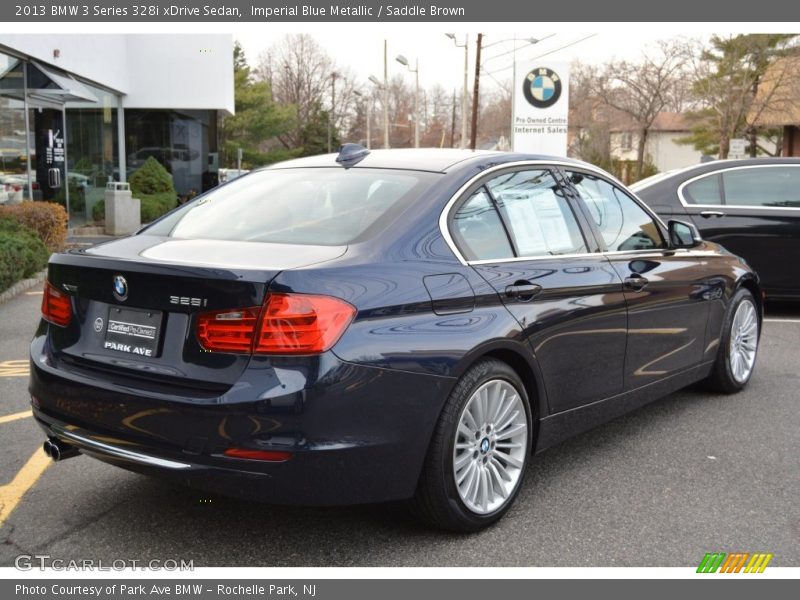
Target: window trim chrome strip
[(683, 201), (448, 238)]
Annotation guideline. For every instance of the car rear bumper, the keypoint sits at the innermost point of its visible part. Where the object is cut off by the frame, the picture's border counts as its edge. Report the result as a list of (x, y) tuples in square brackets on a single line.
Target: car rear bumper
[(356, 434)]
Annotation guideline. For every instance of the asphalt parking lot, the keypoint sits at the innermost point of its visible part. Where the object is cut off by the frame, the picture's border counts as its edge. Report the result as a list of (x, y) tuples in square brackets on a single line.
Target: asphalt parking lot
[(689, 474)]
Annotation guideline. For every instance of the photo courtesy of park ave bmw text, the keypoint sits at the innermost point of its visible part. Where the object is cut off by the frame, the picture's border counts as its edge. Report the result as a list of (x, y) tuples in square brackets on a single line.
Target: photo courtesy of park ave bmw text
[(346, 299)]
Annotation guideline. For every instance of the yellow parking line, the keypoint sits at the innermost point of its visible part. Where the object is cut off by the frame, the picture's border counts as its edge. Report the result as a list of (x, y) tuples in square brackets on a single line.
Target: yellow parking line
[(11, 494), (15, 368), (15, 416)]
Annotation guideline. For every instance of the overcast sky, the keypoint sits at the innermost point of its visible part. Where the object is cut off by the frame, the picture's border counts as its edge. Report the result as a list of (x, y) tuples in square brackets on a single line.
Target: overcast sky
[(440, 61)]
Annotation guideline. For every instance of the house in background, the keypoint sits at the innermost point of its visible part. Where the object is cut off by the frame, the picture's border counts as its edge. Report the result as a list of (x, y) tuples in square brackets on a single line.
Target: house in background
[(661, 150), (777, 105), (601, 133)]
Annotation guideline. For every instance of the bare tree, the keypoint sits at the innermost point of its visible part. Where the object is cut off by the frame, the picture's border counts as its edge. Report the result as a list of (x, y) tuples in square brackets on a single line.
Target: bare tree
[(495, 115), (301, 73), (589, 127), (643, 89)]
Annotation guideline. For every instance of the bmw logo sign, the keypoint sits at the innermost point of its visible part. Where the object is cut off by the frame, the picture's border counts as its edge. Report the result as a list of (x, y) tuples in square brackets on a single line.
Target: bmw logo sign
[(542, 87), (98, 324), (120, 288)]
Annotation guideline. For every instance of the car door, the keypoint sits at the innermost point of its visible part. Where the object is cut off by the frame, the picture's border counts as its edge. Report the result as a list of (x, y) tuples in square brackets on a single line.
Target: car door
[(663, 287), (754, 212), (520, 232)]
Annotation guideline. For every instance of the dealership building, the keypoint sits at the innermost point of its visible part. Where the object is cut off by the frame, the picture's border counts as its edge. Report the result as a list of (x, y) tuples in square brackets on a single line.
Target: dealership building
[(78, 111)]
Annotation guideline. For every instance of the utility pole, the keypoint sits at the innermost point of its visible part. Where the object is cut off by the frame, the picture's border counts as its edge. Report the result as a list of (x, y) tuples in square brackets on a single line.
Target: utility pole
[(464, 101), (369, 117), (333, 108), (385, 94), (475, 93), (416, 104), (453, 124)]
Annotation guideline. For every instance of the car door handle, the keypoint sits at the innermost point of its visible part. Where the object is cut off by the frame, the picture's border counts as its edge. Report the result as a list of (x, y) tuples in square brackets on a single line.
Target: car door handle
[(636, 283), (707, 214), (523, 290)]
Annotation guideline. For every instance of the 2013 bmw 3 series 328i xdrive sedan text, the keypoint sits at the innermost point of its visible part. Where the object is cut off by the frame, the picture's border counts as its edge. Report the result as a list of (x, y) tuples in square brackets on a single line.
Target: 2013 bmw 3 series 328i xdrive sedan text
[(400, 324)]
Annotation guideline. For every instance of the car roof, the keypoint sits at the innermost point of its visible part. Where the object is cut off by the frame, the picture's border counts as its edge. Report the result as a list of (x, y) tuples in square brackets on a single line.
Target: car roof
[(437, 160), (710, 167)]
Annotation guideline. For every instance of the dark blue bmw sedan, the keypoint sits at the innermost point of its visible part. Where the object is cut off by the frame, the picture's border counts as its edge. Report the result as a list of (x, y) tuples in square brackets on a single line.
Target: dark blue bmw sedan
[(381, 326)]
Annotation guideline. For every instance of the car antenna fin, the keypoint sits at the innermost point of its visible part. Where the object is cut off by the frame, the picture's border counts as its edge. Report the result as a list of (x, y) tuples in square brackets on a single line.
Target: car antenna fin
[(351, 154)]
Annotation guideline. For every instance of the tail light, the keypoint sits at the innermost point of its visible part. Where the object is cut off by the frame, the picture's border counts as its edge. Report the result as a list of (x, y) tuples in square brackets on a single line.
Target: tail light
[(56, 306), (228, 330), (285, 324)]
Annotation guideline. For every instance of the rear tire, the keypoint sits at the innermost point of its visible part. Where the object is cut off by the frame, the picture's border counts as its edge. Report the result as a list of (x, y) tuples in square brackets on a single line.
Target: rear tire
[(479, 451), (738, 346)]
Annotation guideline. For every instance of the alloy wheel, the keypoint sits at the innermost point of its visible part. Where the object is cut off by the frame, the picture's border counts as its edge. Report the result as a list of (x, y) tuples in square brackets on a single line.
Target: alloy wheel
[(490, 446), (743, 341)]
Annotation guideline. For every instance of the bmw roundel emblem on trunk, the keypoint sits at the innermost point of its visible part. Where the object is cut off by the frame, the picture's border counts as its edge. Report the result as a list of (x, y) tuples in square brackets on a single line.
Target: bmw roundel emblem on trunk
[(120, 288)]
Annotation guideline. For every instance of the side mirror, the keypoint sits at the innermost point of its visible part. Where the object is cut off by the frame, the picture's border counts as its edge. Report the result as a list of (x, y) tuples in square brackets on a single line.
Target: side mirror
[(683, 235)]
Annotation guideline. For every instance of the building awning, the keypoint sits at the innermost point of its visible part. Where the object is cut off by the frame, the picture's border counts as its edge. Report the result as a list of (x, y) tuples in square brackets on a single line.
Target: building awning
[(43, 83)]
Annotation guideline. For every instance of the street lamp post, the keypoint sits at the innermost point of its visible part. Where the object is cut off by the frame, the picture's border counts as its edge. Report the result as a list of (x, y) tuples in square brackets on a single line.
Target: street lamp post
[(385, 94), (404, 61), (333, 107), (381, 87), (367, 102), (464, 96)]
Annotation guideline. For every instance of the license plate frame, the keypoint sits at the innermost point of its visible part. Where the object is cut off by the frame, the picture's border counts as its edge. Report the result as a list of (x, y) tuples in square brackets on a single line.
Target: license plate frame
[(133, 331)]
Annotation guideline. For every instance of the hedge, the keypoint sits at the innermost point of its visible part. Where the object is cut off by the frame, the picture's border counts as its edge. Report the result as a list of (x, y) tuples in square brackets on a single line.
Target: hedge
[(152, 184), (151, 178), (47, 219), (22, 253)]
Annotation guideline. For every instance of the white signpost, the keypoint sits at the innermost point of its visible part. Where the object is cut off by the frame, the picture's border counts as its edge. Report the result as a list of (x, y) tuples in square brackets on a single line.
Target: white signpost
[(540, 107), (737, 148)]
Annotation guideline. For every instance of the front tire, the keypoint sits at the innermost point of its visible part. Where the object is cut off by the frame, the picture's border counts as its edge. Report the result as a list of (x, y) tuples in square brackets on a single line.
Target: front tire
[(738, 347), (479, 451)]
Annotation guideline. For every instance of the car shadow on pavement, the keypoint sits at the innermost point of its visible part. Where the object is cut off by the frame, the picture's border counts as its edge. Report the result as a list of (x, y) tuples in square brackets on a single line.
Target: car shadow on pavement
[(142, 517)]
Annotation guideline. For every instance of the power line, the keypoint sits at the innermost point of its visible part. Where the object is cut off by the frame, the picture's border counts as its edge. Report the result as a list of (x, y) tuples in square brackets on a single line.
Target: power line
[(564, 47)]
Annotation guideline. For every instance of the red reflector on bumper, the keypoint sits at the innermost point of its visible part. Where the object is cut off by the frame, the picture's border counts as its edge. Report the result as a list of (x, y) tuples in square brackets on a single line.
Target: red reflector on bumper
[(268, 455)]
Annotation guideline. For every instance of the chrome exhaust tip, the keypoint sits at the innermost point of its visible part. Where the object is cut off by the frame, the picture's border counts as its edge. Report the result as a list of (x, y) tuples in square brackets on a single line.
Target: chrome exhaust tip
[(59, 450)]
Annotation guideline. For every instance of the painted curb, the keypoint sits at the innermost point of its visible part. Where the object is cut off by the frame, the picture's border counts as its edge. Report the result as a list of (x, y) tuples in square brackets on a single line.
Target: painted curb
[(23, 286)]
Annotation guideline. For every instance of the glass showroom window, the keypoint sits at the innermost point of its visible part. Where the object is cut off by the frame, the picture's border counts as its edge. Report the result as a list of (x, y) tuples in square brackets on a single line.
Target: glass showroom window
[(14, 181), (92, 153), (184, 142)]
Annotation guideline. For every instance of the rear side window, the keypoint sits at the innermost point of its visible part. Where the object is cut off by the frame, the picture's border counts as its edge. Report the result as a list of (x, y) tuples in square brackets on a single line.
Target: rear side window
[(478, 230), (623, 224), (704, 191), (775, 187), (322, 206)]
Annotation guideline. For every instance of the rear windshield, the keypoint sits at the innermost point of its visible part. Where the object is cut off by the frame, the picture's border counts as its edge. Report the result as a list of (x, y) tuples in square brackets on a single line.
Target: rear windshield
[(322, 206)]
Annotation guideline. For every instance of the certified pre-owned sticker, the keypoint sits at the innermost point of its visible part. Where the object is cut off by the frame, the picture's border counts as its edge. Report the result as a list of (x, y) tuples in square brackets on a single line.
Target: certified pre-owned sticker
[(134, 329), (145, 333)]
